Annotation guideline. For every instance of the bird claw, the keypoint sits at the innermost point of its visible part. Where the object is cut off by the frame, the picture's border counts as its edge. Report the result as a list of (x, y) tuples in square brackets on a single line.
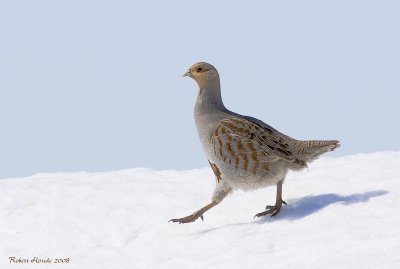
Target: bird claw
[(274, 206), (271, 209), (188, 219)]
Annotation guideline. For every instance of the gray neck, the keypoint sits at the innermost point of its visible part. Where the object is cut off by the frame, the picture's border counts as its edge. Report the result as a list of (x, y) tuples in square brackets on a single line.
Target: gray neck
[(209, 98)]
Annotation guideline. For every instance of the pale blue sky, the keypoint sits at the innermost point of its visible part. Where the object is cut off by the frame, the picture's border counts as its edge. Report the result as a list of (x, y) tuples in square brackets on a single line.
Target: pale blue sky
[(97, 86)]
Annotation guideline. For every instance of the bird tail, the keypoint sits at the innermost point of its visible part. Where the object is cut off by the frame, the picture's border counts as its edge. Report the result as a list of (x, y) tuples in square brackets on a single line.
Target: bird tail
[(312, 149)]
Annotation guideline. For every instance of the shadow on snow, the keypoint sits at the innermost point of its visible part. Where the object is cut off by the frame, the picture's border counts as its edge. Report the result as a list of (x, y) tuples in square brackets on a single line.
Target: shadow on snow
[(304, 206)]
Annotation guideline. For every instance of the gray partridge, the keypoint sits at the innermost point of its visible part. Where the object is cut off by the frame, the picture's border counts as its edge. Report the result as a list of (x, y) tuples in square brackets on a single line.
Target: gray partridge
[(244, 152)]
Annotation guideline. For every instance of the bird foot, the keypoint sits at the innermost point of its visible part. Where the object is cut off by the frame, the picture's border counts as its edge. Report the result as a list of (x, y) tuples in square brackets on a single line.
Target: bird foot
[(190, 218), (272, 209)]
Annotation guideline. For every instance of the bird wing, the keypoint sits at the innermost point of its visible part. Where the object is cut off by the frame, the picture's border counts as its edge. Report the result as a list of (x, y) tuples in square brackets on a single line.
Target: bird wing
[(247, 145)]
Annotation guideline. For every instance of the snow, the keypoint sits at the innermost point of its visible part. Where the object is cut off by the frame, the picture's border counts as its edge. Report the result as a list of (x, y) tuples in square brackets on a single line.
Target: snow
[(341, 213)]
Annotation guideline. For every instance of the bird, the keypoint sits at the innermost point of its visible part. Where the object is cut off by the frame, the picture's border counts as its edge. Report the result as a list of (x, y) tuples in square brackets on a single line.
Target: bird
[(244, 152)]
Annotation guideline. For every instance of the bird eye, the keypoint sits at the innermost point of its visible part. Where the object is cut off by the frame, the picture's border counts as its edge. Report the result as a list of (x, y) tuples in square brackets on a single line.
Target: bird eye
[(199, 69)]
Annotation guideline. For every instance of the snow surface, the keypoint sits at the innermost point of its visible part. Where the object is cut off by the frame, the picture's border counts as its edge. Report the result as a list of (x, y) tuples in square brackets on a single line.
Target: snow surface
[(341, 213)]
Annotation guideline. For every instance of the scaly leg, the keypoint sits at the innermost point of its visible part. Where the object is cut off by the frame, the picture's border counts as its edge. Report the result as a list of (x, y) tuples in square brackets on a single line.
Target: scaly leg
[(275, 209), (195, 215), (220, 192)]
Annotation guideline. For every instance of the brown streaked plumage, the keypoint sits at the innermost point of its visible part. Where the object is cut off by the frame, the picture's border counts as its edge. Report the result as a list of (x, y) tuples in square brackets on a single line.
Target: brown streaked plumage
[(216, 171)]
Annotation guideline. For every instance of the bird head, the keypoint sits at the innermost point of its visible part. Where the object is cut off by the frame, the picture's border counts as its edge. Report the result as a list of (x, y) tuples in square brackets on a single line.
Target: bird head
[(203, 73)]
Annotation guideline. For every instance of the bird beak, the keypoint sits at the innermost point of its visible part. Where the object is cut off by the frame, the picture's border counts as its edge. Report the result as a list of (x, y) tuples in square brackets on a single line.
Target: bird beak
[(187, 74)]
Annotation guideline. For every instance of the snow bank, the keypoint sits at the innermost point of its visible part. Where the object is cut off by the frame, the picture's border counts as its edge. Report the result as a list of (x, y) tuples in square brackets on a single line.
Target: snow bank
[(341, 213)]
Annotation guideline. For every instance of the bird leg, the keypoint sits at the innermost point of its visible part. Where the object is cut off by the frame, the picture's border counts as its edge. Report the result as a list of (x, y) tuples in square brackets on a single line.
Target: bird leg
[(274, 209), (195, 215)]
